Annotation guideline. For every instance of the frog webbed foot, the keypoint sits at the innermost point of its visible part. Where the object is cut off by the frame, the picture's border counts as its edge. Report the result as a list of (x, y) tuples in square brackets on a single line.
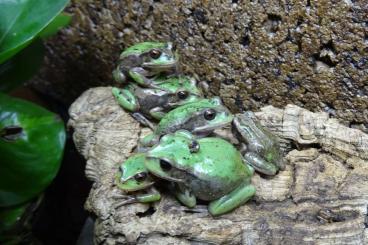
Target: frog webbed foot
[(143, 120), (150, 195), (119, 76), (123, 199), (234, 199)]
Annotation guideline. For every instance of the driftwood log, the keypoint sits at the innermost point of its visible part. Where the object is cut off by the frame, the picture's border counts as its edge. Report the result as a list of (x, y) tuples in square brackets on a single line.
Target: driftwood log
[(320, 198)]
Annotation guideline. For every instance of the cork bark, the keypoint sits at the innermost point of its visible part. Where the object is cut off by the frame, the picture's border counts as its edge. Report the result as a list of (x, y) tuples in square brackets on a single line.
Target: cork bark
[(320, 198)]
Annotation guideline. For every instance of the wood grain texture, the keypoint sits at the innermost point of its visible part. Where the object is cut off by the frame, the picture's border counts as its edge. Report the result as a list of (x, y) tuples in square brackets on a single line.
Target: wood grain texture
[(326, 172)]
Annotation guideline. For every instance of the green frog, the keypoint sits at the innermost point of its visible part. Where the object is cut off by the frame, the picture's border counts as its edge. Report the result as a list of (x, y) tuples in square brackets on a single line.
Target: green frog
[(148, 103), (210, 169), (200, 118), (261, 148), (136, 182), (145, 60)]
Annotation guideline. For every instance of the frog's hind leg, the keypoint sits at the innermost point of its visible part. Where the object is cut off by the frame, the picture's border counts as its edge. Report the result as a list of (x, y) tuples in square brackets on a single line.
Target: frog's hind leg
[(126, 99), (260, 164), (234, 199)]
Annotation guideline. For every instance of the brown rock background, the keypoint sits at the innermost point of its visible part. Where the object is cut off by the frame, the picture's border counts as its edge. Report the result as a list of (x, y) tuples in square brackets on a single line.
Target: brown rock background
[(252, 53)]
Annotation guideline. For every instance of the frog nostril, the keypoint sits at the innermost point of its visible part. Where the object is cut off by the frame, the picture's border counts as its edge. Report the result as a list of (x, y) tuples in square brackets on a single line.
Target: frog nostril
[(165, 165), (210, 114)]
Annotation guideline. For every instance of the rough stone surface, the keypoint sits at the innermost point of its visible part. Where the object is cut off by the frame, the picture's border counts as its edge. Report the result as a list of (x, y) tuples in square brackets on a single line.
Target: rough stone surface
[(326, 172), (252, 53)]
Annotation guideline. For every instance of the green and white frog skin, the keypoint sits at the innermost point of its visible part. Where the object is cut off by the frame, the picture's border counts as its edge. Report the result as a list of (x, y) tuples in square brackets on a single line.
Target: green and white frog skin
[(135, 181), (210, 169), (145, 60), (148, 103), (200, 118), (262, 149)]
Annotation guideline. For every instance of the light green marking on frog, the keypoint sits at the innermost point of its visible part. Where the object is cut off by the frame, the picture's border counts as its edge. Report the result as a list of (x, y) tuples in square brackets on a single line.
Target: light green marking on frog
[(210, 169), (154, 103), (262, 147), (200, 118), (144, 60), (134, 177)]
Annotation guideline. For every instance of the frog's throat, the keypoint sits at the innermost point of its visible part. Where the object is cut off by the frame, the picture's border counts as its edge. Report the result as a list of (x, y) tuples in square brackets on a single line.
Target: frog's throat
[(155, 169)]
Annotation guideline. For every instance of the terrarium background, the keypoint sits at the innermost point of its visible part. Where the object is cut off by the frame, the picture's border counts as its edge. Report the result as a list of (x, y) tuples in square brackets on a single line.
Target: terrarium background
[(252, 53)]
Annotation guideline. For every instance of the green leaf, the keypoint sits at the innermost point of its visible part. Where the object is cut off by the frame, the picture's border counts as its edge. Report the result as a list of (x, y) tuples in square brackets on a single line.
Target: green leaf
[(22, 66), (31, 147), (56, 24), (22, 20)]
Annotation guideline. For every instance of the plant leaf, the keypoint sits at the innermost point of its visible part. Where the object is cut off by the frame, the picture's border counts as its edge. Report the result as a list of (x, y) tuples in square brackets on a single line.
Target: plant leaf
[(22, 20), (22, 66), (31, 147), (56, 24)]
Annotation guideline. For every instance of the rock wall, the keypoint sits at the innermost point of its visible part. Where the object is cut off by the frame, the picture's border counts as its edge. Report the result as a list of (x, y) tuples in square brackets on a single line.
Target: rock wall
[(252, 53)]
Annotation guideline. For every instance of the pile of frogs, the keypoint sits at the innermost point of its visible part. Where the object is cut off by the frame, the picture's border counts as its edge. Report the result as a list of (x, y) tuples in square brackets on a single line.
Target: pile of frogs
[(184, 151)]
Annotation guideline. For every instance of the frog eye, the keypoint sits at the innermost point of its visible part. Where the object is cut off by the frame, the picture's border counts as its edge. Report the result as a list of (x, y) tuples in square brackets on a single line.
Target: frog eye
[(155, 53), (209, 114), (182, 95), (165, 165), (11, 133), (194, 146), (140, 176)]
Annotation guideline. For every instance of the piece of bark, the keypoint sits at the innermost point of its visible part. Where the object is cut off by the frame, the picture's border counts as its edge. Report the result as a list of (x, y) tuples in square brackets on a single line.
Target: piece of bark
[(320, 198)]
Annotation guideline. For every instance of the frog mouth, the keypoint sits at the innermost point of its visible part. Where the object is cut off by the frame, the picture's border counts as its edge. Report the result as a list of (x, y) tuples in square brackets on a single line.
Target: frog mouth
[(130, 185), (163, 66), (205, 130), (154, 168)]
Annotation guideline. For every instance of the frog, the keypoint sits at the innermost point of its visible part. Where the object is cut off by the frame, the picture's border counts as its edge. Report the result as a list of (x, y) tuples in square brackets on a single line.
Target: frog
[(209, 168), (153, 103), (134, 180), (259, 146), (145, 60), (200, 118)]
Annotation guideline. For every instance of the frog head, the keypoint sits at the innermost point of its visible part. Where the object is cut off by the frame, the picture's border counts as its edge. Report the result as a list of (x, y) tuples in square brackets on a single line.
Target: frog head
[(133, 175), (200, 118), (173, 156), (183, 90), (152, 55)]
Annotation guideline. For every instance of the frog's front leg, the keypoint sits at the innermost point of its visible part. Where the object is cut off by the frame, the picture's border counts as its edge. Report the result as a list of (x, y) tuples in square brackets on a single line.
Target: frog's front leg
[(185, 196), (152, 195), (260, 164), (234, 199), (157, 113), (126, 99), (139, 75)]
